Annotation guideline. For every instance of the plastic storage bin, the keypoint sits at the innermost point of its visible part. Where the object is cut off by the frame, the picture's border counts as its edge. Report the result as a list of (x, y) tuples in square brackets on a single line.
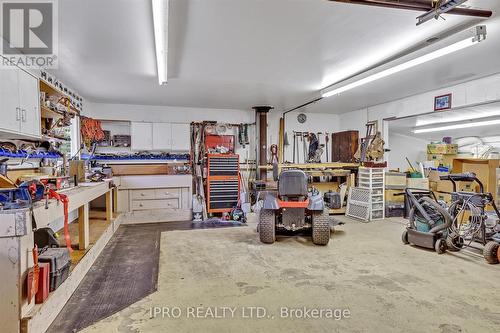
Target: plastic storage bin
[(60, 262)]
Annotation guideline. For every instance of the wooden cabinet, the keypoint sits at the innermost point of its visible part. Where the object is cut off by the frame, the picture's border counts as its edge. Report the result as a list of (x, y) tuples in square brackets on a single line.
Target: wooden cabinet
[(344, 146), (142, 136), (19, 104)]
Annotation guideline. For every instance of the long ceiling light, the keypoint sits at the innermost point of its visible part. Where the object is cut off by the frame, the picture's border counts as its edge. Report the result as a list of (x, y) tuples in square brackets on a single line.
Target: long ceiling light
[(457, 126), (480, 35), (160, 22)]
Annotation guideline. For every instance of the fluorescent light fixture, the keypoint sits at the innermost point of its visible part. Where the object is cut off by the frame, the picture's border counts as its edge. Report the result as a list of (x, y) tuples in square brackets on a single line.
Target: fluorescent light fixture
[(458, 126), (453, 116), (409, 64), (160, 22)]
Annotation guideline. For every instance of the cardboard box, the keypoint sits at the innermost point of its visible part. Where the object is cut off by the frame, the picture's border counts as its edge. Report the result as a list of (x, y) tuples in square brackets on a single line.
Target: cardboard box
[(395, 179), (442, 148), (447, 186), (435, 176), (390, 196), (442, 159), (418, 183), (433, 185)]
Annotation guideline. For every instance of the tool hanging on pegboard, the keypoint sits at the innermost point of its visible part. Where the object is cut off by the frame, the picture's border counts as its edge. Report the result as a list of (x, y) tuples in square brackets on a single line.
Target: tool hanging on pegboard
[(243, 135)]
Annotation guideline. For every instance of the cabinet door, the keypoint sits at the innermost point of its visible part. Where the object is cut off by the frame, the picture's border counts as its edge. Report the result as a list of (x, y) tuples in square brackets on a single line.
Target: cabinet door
[(162, 136), (10, 113), (141, 136), (29, 103), (181, 137)]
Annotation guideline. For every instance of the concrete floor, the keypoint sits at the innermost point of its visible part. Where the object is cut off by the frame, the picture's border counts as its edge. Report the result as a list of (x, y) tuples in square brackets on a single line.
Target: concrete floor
[(385, 285)]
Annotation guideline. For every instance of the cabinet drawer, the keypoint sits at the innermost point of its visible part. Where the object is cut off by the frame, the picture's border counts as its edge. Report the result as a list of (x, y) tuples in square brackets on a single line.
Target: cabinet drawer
[(165, 193), (142, 194), (155, 204)]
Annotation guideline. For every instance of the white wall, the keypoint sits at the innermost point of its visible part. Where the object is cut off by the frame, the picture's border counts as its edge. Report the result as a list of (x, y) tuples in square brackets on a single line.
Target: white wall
[(403, 146)]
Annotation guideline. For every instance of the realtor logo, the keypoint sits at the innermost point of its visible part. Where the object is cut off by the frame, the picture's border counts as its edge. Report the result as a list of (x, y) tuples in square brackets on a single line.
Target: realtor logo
[(29, 32)]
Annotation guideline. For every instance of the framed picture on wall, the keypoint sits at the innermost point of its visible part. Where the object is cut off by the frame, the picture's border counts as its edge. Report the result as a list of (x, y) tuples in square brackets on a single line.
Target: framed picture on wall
[(442, 102)]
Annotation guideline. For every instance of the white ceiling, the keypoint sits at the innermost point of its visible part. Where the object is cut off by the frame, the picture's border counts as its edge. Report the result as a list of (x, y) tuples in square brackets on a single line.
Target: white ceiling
[(238, 53)]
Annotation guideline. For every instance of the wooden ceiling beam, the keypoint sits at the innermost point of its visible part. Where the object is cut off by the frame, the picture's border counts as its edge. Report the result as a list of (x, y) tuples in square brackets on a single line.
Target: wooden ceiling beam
[(417, 5)]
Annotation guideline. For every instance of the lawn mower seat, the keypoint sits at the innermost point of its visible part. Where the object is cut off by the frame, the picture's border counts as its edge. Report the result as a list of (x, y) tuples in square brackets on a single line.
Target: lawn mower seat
[(292, 184)]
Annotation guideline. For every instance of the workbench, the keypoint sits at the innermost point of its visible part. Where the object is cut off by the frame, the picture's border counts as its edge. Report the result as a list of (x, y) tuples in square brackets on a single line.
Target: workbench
[(327, 170), (16, 244)]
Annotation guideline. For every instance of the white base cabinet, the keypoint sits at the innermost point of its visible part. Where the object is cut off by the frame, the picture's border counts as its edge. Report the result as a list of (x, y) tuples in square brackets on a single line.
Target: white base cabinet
[(154, 198)]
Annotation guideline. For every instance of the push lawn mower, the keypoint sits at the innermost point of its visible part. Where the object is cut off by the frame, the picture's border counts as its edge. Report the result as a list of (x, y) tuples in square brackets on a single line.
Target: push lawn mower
[(478, 227), (428, 221), (294, 210)]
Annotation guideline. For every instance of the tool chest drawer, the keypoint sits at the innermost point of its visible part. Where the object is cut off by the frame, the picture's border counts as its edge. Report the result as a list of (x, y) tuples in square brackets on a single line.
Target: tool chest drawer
[(143, 194), (155, 204), (165, 193)]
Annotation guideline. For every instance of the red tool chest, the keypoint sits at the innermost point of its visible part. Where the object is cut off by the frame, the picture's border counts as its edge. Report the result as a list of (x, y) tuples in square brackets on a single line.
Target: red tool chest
[(223, 182)]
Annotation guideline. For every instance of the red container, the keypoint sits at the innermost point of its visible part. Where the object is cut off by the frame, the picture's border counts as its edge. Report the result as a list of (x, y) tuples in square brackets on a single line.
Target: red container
[(43, 283), (226, 141)]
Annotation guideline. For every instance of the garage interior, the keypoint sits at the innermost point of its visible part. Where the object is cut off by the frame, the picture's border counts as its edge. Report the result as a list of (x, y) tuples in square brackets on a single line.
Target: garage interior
[(248, 165)]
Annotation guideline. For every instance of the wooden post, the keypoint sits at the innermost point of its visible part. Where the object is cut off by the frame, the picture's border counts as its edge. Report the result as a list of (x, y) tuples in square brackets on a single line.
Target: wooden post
[(83, 227), (115, 199), (281, 140), (109, 205)]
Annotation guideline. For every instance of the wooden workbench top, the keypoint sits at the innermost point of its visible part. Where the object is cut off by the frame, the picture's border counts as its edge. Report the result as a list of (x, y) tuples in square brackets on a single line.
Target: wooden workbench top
[(78, 196)]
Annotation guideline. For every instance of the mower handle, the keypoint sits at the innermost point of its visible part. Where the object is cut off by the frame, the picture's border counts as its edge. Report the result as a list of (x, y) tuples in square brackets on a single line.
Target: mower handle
[(463, 177)]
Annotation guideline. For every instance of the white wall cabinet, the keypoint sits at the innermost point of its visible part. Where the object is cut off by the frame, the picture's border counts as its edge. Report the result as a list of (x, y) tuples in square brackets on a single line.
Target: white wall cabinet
[(19, 104), (160, 136), (29, 104), (142, 136), (9, 100), (181, 137)]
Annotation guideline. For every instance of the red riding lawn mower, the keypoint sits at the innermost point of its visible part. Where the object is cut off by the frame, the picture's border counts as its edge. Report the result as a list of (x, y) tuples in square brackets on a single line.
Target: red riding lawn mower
[(294, 210)]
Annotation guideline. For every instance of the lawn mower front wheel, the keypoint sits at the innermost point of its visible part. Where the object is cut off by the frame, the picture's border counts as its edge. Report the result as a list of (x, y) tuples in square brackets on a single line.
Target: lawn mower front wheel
[(321, 228), (267, 227)]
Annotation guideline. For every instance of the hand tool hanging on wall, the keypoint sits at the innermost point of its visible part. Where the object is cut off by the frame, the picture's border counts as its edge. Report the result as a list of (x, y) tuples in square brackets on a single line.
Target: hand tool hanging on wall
[(304, 137), (294, 146), (243, 135), (327, 139), (313, 146)]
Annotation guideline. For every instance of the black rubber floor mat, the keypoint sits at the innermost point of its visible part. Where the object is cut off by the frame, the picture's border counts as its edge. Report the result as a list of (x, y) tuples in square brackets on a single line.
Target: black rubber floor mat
[(125, 272)]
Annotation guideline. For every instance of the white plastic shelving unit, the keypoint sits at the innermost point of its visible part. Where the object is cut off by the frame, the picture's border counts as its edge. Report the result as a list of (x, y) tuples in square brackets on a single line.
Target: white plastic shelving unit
[(373, 179)]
